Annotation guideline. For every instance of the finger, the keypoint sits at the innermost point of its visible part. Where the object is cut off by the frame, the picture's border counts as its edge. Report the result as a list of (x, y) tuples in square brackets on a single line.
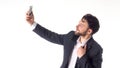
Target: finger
[(31, 13), (28, 19), (27, 13), (81, 47), (28, 16)]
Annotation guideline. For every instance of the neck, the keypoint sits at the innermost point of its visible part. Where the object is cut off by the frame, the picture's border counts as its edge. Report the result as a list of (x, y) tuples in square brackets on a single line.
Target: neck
[(84, 38)]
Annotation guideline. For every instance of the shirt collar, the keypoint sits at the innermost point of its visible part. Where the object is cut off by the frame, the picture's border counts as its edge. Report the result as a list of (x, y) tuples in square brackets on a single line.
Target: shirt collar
[(82, 42)]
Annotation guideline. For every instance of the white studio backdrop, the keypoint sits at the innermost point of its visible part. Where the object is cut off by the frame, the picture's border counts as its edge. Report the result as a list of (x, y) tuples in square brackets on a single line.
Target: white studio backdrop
[(20, 47)]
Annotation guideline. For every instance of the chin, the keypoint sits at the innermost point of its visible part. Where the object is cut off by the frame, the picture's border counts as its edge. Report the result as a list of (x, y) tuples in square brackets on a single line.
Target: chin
[(77, 32)]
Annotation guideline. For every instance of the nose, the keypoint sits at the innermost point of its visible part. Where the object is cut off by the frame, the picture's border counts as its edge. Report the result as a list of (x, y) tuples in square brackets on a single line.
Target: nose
[(78, 24)]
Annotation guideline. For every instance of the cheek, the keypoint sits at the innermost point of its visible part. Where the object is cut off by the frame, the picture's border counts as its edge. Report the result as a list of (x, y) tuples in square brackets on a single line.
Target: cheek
[(80, 27)]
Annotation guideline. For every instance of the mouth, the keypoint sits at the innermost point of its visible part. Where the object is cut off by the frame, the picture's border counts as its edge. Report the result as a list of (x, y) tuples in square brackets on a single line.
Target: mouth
[(77, 29)]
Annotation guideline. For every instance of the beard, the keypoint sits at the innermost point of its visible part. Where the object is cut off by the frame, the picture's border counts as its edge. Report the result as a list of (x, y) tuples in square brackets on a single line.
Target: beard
[(81, 33)]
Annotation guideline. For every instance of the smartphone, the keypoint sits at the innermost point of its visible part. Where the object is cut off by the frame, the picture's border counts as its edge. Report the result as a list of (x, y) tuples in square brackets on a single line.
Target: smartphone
[(30, 10)]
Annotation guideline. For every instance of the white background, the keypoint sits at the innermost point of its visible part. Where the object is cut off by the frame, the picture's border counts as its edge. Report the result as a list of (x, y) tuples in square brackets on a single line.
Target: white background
[(20, 47)]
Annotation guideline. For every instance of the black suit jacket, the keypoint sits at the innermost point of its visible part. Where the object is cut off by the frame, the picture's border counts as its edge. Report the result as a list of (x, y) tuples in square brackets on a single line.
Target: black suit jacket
[(92, 58)]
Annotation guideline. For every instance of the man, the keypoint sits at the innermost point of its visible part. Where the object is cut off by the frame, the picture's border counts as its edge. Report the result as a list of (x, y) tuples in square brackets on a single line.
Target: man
[(80, 49)]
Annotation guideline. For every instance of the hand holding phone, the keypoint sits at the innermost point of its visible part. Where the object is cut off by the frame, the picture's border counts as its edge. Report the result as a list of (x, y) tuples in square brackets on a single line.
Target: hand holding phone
[(30, 16)]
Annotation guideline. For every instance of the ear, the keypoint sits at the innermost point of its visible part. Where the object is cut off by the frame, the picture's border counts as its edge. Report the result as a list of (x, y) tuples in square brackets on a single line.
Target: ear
[(89, 31)]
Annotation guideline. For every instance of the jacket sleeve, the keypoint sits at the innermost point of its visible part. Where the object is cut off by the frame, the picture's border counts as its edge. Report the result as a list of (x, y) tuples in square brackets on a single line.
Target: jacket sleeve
[(90, 62), (49, 35)]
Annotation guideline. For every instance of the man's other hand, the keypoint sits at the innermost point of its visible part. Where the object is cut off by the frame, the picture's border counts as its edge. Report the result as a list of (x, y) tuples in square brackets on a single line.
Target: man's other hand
[(81, 51)]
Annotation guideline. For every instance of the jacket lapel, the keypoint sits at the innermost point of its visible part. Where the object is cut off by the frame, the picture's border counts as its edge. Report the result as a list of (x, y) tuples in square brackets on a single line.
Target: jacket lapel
[(89, 43), (73, 40)]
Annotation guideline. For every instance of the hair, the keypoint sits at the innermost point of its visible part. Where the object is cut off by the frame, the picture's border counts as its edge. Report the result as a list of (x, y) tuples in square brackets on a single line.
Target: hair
[(92, 22)]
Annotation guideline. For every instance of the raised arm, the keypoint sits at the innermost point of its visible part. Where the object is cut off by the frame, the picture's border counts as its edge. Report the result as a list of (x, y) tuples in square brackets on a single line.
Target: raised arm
[(43, 32)]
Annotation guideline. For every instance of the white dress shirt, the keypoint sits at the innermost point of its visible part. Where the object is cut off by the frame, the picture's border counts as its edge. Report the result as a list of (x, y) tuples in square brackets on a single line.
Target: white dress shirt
[(34, 25)]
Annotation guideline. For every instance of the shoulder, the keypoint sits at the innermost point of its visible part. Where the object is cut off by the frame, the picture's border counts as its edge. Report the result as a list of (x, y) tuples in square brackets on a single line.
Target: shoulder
[(94, 44), (94, 48), (97, 46), (71, 32)]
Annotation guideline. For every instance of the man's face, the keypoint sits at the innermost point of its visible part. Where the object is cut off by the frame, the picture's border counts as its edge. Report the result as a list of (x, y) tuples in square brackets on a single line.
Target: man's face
[(82, 28)]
